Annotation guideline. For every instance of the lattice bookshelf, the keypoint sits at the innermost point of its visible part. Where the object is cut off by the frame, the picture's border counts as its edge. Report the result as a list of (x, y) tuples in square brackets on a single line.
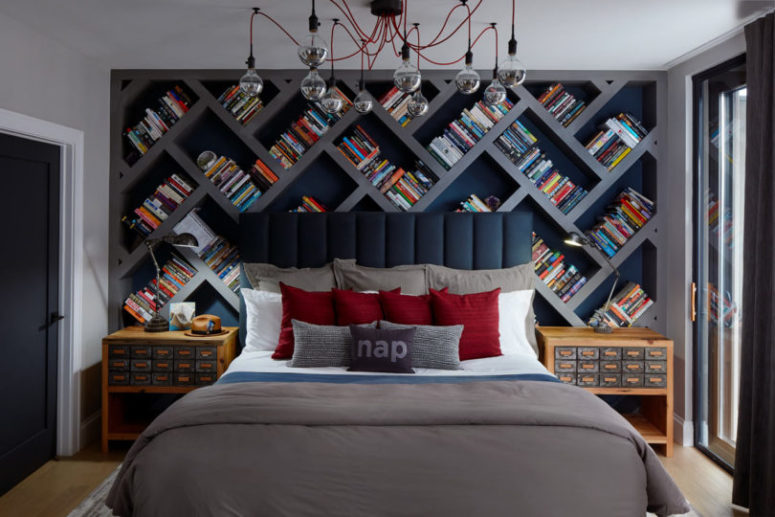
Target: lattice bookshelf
[(324, 173)]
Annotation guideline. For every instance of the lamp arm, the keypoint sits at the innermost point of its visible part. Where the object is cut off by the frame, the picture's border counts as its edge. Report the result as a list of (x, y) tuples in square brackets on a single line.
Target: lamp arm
[(616, 280), (150, 244)]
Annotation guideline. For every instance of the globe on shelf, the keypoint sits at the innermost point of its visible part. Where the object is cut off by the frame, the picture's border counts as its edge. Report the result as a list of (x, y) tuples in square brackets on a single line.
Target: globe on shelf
[(206, 159), (417, 105), (467, 80), (363, 102), (313, 50), (495, 93), (251, 83), (313, 86)]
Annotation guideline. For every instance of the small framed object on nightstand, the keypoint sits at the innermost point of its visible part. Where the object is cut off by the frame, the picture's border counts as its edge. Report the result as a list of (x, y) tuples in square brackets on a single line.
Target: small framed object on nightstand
[(144, 372), (632, 362)]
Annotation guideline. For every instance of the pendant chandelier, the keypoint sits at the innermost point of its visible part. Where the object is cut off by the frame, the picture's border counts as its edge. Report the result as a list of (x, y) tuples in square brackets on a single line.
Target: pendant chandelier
[(390, 30)]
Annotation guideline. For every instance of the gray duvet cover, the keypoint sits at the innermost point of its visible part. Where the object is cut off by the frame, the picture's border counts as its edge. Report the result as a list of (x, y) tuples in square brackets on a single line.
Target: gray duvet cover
[(484, 448)]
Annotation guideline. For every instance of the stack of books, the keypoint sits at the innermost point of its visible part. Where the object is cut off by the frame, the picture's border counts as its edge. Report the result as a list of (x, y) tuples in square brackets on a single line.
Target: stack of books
[(159, 205), (616, 139), (402, 187), (625, 308), (561, 191), (563, 279), (516, 141), (310, 204), (628, 213), (175, 273), (239, 186), (307, 130), (462, 134), (396, 103), (562, 105), (172, 106), (214, 250), (473, 204), (242, 106)]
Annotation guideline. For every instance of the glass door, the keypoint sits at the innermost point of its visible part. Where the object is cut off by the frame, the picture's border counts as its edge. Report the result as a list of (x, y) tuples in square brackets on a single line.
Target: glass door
[(720, 104)]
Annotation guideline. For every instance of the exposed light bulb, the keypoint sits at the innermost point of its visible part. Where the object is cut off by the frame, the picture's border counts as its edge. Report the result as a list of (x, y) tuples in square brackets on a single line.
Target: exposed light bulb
[(363, 102), (313, 86), (495, 93), (417, 105), (313, 50), (331, 101), (512, 72), (467, 80), (407, 77), (251, 83)]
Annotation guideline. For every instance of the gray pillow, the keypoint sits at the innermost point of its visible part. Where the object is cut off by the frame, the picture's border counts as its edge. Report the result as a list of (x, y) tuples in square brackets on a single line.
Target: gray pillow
[(434, 346), (464, 281), (410, 278), (321, 345), (267, 277)]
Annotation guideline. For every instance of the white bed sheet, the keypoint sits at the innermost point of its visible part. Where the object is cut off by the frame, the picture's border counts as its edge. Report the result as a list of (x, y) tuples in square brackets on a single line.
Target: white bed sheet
[(261, 361)]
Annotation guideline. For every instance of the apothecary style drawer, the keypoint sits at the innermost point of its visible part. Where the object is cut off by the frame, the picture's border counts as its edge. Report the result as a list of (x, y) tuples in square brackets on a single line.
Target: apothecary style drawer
[(587, 379), (184, 352), (118, 365), (656, 366), (185, 365), (610, 366), (561, 365), (588, 366), (632, 353), (163, 365), (610, 380), (632, 380), (204, 365), (183, 379), (632, 366), (588, 353), (610, 353), (141, 352), (565, 352), (205, 378), (118, 351), (140, 378), (206, 352), (567, 378), (161, 378), (162, 352), (654, 380), (118, 378), (656, 353), (141, 365)]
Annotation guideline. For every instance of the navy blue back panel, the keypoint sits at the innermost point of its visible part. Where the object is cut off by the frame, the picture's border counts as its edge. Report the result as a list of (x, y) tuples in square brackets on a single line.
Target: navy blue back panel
[(377, 239)]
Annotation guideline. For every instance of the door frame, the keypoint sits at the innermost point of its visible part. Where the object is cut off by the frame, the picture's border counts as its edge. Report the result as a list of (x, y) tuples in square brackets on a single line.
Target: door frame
[(71, 144)]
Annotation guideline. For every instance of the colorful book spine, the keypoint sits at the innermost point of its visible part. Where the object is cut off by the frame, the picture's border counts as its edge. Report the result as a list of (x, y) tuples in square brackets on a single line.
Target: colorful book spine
[(176, 272)]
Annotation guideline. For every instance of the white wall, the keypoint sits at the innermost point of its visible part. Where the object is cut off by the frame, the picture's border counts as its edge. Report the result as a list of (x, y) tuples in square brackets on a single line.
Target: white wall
[(679, 206), (42, 78)]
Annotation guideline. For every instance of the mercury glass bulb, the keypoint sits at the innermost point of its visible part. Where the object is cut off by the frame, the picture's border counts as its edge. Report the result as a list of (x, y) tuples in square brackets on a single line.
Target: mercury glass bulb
[(407, 77), (495, 93), (512, 72), (313, 86), (313, 50), (417, 105), (331, 101), (363, 102), (467, 80), (251, 83)]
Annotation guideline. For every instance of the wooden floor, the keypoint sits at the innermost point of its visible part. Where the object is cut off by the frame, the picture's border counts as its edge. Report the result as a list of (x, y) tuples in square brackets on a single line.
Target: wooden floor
[(57, 487)]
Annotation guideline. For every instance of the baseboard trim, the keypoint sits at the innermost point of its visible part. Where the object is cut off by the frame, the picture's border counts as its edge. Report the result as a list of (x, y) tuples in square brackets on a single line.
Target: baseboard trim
[(684, 431), (90, 429)]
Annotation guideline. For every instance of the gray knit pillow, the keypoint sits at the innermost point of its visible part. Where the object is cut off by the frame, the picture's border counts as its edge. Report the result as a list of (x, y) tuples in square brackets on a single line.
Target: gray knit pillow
[(321, 345), (433, 346)]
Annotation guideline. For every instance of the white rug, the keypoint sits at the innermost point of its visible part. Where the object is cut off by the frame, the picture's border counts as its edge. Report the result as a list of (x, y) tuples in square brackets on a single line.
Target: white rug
[(94, 504)]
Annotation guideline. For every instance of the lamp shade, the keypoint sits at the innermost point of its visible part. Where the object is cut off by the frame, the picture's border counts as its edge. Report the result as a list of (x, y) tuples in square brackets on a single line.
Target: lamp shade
[(183, 240), (575, 239)]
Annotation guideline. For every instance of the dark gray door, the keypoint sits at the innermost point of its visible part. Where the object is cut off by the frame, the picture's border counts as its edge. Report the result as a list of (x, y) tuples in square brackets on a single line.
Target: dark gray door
[(29, 280)]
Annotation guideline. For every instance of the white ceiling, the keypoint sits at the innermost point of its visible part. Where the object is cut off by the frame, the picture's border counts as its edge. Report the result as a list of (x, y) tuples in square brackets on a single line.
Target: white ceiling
[(558, 34)]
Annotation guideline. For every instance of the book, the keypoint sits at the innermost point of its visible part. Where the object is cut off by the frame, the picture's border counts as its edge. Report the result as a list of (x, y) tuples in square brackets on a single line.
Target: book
[(155, 209), (628, 213), (242, 106), (626, 307), (616, 137), (310, 204), (551, 267), (242, 188), (176, 272), (563, 105)]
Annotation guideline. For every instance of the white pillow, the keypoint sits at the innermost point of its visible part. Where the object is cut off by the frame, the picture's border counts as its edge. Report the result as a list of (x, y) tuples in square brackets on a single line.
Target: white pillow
[(512, 310), (265, 313)]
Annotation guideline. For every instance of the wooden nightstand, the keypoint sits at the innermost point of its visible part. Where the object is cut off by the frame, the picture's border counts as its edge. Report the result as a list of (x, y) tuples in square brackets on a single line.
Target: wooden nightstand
[(627, 362), (144, 372)]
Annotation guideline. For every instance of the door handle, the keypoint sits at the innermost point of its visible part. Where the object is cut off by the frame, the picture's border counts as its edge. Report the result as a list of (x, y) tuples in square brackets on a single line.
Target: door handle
[(694, 301), (54, 317)]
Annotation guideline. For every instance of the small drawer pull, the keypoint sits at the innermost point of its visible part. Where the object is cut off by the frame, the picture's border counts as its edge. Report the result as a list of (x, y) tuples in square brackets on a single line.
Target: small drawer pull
[(587, 352), (565, 352)]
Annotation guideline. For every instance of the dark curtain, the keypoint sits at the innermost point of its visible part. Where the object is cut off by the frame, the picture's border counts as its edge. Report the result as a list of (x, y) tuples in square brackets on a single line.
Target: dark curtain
[(754, 485)]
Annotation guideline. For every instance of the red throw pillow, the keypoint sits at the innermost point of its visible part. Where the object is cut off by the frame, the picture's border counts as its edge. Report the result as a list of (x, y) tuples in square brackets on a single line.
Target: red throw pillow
[(406, 309), (357, 308), (478, 313), (310, 307)]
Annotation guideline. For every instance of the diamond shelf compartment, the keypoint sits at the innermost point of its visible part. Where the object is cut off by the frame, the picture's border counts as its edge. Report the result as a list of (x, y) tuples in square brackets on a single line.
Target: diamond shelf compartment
[(582, 90), (209, 301), (132, 197), (366, 204), (640, 267), (323, 179), (546, 314), (642, 176), (484, 177), (209, 133), (218, 87), (439, 119), (148, 98), (380, 88), (636, 98)]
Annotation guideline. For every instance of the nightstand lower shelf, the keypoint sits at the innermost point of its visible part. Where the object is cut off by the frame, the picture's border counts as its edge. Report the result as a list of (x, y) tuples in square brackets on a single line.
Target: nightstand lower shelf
[(647, 430)]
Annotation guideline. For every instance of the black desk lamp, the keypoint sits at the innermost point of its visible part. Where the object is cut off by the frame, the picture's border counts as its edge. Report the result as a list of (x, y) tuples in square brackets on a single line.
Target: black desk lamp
[(574, 239), (184, 240)]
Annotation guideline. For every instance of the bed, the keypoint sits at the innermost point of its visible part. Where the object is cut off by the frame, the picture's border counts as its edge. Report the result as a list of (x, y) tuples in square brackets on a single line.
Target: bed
[(499, 436)]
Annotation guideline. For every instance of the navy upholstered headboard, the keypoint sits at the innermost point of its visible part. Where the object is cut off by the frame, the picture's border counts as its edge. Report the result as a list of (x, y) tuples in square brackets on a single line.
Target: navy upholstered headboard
[(378, 239)]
